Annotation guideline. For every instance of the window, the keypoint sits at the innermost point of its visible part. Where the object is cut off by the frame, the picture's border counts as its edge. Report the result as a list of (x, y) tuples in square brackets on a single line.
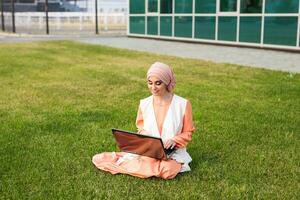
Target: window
[(137, 25), (183, 6), (166, 6), (183, 26), (251, 6), (205, 6), (280, 30), (282, 6), (152, 5), (152, 25), (137, 6), (250, 29), (166, 26), (205, 27), (228, 5), (227, 28)]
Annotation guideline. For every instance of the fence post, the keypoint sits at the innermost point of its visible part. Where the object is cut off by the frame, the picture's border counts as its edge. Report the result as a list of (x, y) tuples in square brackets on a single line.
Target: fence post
[(47, 17), (96, 16), (2, 16), (13, 15)]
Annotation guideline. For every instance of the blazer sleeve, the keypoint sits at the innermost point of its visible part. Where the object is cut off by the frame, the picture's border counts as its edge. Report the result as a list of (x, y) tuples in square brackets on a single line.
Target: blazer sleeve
[(183, 138)]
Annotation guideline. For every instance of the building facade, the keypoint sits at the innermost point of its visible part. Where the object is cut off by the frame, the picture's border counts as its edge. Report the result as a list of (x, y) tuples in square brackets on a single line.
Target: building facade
[(259, 23)]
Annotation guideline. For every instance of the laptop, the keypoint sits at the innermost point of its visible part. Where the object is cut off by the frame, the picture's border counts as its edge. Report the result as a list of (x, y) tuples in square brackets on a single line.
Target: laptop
[(141, 144)]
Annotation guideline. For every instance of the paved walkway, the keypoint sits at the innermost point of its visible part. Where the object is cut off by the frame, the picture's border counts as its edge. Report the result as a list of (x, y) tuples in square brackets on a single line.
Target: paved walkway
[(269, 59)]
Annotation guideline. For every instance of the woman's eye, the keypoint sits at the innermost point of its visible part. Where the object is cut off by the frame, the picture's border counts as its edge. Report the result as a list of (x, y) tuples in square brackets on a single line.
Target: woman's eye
[(158, 83)]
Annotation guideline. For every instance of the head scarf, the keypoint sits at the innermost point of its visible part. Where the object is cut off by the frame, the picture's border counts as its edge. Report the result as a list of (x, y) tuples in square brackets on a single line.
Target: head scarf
[(164, 73)]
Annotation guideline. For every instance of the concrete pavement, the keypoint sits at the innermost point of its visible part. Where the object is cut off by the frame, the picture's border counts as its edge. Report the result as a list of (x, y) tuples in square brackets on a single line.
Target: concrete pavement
[(261, 58)]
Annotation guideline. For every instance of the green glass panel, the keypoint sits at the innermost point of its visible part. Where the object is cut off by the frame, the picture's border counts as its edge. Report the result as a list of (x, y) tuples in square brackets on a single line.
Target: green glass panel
[(250, 29), (137, 25), (228, 5), (251, 6), (152, 5), (183, 6), (183, 26), (136, 6), (282, 6), (152, 25), (227, 28), (205, 27), (205, 6), (280, 30), (166, 26), (166, 6)]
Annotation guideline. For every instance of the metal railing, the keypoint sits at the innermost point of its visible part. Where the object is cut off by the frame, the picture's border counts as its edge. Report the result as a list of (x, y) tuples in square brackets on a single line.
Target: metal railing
[(62, 22)]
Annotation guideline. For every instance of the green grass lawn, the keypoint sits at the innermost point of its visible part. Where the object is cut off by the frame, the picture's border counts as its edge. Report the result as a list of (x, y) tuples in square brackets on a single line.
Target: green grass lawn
[(59, 100)]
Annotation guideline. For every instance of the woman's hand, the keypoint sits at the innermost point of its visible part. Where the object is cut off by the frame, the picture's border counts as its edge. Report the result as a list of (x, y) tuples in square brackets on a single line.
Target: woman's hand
[(170, 144)]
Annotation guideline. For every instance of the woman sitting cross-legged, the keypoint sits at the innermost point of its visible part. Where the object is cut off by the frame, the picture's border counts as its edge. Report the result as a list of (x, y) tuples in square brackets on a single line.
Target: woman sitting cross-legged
[(164, 115)]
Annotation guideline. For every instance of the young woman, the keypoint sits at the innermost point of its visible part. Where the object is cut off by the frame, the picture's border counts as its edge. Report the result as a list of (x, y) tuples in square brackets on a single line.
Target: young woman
[(164, 115)]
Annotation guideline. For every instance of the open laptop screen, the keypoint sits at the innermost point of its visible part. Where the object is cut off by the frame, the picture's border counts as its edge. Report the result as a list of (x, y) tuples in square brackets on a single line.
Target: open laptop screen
[(140, 144)]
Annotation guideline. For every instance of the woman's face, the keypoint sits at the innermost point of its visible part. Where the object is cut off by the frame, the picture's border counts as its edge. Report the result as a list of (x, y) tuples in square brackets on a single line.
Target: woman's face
[(156, 86)]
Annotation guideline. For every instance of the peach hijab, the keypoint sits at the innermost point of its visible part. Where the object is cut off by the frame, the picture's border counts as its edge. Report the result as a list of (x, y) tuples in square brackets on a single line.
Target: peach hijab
[(164, 73)]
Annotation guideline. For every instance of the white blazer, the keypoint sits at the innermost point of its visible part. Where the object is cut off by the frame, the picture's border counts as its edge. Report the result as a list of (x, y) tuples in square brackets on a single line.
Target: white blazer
[(172, 125)]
